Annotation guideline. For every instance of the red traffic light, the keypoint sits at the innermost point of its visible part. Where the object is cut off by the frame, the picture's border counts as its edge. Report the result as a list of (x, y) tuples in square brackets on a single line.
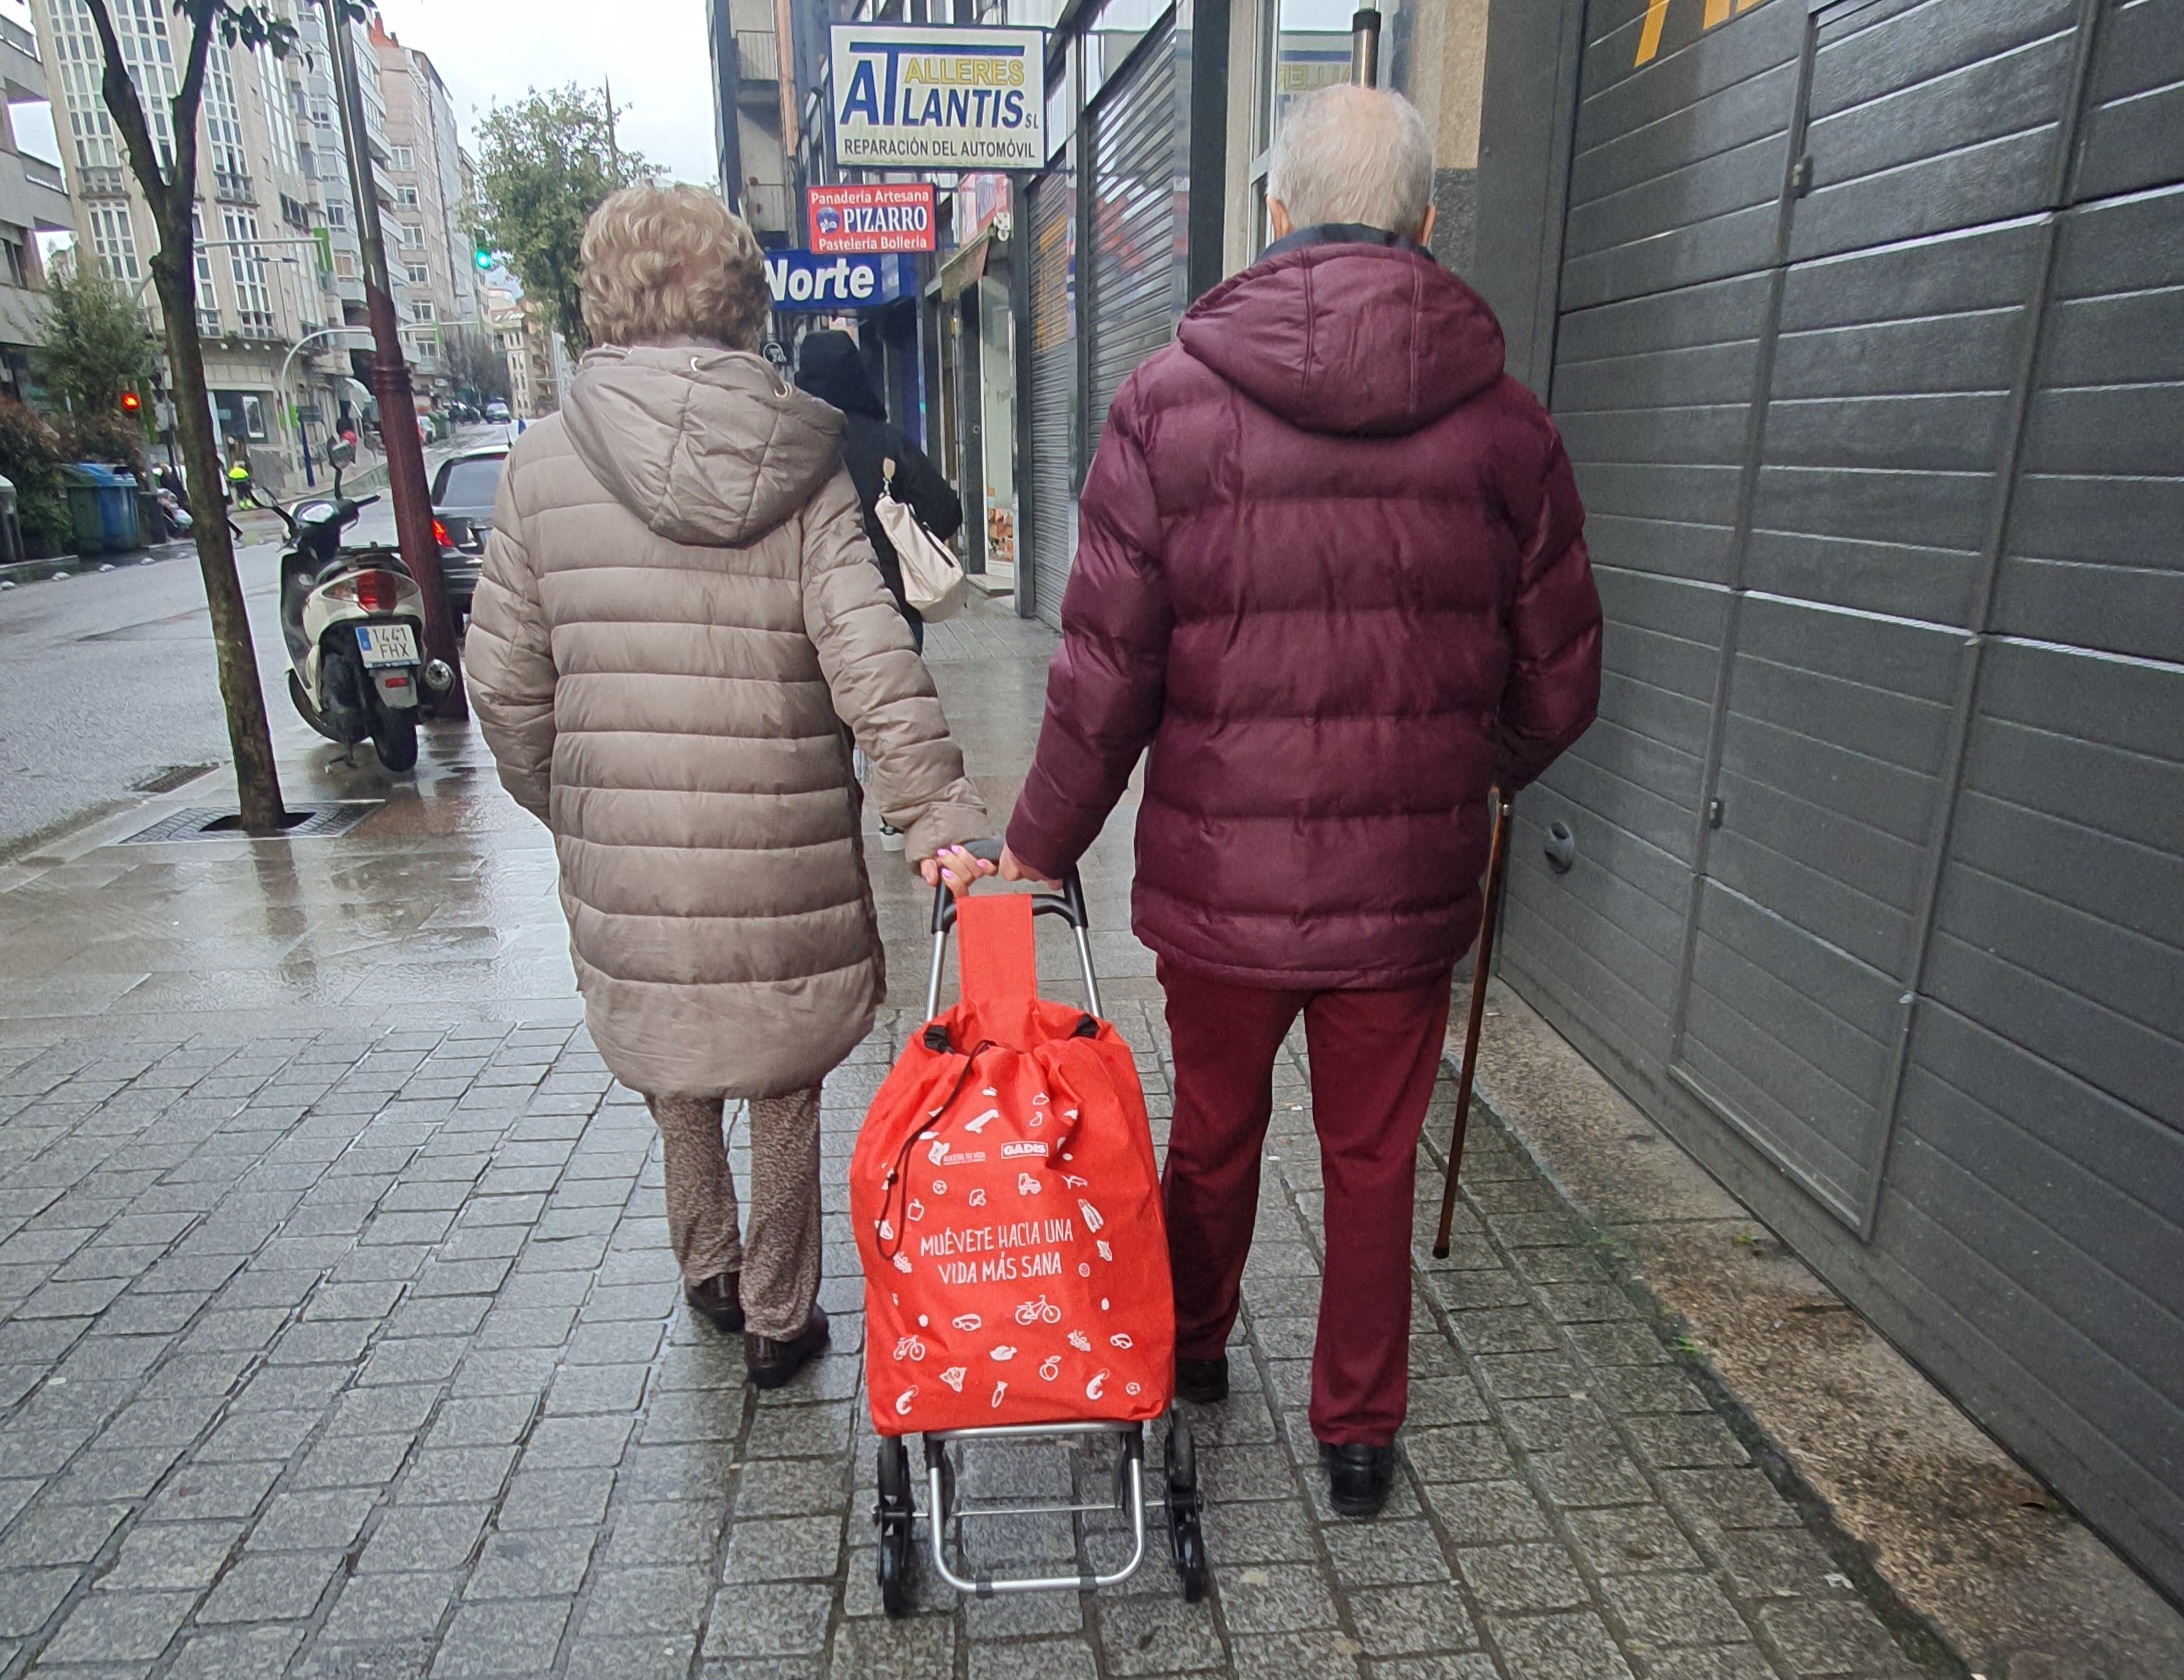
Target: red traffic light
[(131, 403)]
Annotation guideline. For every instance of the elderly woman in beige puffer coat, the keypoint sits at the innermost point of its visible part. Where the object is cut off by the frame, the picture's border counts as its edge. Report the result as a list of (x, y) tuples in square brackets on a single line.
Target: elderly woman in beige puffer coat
[(678, 631)]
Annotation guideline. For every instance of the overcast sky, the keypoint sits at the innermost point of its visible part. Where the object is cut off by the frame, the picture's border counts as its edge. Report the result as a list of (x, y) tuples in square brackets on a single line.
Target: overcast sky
[(486, 50), (652, 50)]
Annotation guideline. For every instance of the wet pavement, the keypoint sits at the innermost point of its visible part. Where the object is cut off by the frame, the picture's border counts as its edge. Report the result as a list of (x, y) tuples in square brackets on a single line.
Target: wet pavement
[(339, 1335), (107, 679)]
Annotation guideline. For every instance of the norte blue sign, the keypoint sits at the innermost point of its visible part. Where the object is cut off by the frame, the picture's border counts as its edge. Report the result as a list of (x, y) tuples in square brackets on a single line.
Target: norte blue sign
[(924, 96), (807, 282)]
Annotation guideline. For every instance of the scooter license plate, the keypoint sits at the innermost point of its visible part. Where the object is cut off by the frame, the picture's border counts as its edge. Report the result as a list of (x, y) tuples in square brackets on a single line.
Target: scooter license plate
[(386, 644)]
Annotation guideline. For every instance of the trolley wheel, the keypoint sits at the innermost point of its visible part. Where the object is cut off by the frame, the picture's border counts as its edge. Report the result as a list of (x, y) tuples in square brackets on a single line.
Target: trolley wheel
[(893, 1516), (1186, 1507)]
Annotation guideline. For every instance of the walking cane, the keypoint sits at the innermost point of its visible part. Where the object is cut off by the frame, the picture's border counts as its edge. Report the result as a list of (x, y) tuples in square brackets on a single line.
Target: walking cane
[(1497, 869)]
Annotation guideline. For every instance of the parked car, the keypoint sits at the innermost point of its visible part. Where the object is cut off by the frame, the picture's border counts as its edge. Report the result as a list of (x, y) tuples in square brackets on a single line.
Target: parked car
[(462, 514), (496, 411)]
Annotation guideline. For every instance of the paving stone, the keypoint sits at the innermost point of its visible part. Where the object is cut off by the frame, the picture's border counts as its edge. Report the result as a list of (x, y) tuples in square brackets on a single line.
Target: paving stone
[(782, 1549), (28, 1598), (388, 1609), (1043, 1659), (1837, 1635), (118, 1627), (1283, 1601), (493, 1639), (268, 1587), (1562, 1647), (651, 1599), (422, 1537), (1383, 1554), (769, 1621), (1400, 1621), (1631, 1539), (1156, 1635), (1518, 1579), (237, 1654), (531, 1563), (171, 1557)]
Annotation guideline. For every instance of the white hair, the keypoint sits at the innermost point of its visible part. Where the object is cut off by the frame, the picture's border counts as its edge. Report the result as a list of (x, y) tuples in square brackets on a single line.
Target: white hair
[(1353, 154)]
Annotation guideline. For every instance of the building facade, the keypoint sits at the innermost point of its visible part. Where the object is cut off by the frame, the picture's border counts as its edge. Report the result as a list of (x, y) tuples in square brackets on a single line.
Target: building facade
[(271, 270), (33, 200), (428, 224), (751, 102), (1860, 319)]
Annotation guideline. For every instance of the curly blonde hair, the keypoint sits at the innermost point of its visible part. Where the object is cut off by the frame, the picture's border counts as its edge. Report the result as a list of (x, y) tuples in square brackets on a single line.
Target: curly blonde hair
[(672, 262)]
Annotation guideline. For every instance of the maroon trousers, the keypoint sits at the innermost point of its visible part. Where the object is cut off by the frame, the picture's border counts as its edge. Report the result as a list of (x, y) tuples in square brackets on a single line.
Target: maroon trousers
[(1373, 1057)]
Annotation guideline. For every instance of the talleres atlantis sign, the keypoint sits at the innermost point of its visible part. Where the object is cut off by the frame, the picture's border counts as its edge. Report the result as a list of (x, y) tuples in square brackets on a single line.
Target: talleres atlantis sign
[(910, 96)]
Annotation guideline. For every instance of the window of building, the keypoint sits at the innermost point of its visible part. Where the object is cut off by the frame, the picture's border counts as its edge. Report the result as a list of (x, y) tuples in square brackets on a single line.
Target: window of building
[(406, 196), (413, 234), (404, 161), (223, 117), (114, 241), (13, 268), (337, 215), (146, 49), (421, 309), (246, 268), (419, 276)]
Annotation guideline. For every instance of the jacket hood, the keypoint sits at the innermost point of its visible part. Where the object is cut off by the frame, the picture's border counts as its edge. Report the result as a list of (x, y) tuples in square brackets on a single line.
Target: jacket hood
[(1348, 335), (829, 367), (707, 446)]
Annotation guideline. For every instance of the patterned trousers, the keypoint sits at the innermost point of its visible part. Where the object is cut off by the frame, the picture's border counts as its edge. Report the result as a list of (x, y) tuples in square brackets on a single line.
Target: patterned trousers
[(778, 1252)]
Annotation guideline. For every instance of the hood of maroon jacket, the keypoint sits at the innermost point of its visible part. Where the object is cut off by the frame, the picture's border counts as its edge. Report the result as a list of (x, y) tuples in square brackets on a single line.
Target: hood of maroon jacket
[(1330, 569)]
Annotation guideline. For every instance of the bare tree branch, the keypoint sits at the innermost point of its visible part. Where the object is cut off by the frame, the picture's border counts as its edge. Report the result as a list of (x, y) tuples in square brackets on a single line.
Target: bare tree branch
[(187, 98), (120, 93)]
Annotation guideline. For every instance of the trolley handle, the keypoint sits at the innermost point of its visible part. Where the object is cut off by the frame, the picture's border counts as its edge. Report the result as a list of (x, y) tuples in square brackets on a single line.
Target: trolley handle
[(1067, 904)]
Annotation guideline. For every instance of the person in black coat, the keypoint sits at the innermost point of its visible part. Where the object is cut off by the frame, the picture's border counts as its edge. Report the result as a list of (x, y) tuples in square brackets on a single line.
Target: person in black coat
[(829, 367)]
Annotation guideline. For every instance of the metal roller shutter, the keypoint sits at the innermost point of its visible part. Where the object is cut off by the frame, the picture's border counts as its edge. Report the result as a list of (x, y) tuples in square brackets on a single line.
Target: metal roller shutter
[(1868, 360), (1139, 144), (1053, 476)]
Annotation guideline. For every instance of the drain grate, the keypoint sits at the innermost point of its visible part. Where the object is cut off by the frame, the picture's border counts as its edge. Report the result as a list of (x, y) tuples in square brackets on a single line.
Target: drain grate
[(305, 822), (174, 776)]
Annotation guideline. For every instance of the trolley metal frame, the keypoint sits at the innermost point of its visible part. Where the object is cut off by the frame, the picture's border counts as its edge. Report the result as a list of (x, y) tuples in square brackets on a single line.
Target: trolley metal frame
[(897, 1510)]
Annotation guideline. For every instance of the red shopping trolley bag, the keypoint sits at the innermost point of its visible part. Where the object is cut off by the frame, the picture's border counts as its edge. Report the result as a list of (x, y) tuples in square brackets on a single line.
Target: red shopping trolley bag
[(1007, 1210)]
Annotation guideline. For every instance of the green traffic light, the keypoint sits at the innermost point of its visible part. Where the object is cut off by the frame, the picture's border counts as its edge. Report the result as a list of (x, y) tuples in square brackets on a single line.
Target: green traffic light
[(482, 257)]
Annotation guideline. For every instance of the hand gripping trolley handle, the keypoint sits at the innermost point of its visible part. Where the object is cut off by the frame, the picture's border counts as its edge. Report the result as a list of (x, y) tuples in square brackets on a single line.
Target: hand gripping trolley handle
[(946, 1513)]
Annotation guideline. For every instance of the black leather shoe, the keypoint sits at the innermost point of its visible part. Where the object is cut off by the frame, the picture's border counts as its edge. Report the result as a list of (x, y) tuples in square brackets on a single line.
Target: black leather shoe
[(1202, 1381), (1358, 1475), (716, 1299), (773, 1363)]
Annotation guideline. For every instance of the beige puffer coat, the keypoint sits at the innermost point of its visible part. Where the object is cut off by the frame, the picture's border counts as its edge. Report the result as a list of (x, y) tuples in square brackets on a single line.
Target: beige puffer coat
[(677, 617)]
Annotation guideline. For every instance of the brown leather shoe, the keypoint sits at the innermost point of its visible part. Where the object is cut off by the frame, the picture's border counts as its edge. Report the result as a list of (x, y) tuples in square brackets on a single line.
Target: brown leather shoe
[(773, 1363), (716, 1299)]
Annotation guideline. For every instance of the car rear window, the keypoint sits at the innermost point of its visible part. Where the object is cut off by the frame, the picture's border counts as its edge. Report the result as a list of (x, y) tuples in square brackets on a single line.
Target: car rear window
[(471, 483)]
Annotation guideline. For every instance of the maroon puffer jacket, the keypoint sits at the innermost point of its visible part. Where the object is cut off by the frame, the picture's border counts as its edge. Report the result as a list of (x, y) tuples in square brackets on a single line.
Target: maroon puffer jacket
[(1330, 566)]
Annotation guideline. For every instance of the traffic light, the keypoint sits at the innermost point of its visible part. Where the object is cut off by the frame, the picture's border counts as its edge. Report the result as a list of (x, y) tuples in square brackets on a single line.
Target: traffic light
[(131, 404), (480, 254)]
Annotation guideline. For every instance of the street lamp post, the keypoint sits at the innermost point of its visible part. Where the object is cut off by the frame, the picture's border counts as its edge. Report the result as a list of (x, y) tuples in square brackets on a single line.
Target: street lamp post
[(391, 374), (295, 409)]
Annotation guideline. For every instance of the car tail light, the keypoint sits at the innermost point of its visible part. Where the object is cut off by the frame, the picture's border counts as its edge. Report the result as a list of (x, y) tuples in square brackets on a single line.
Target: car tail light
[(439, 534), (376, 591)]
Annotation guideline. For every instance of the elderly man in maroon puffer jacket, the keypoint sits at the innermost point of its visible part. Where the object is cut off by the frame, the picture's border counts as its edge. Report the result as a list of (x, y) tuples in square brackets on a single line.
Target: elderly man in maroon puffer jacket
[(1330, 569)]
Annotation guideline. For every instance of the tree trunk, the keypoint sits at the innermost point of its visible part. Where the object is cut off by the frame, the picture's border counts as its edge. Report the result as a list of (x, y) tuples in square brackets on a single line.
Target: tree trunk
[(257, 777)]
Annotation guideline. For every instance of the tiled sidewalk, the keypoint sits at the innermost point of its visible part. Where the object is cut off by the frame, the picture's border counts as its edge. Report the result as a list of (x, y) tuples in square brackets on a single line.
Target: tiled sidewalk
[(347, 1342)]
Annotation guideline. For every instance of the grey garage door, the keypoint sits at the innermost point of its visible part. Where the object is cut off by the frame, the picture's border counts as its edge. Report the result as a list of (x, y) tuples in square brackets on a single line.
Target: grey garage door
[(1869, 349), (1053, 218)]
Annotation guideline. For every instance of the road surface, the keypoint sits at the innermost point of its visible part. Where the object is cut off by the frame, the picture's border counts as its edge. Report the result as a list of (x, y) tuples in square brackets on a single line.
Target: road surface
[(108, 685)]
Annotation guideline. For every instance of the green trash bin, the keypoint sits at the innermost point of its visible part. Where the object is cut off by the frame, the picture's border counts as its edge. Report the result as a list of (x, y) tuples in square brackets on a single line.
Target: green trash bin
[(87, 529)]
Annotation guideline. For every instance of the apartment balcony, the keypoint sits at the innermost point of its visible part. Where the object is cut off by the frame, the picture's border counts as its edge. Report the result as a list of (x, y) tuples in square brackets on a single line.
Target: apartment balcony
[(33, 193), (766, 206), (102, 181), (231, 187), (20, 69), (758, 57)]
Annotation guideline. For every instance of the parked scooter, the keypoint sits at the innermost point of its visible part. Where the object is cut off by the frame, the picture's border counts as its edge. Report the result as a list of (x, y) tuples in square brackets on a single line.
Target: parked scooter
[(354, 623)]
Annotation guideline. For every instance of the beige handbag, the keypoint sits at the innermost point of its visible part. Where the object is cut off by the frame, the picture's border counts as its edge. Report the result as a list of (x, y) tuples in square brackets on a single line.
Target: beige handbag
[(933, 580)]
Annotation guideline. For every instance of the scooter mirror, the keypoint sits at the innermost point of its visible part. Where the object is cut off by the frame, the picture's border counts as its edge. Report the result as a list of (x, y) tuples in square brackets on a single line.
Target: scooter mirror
[(341, 453)]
